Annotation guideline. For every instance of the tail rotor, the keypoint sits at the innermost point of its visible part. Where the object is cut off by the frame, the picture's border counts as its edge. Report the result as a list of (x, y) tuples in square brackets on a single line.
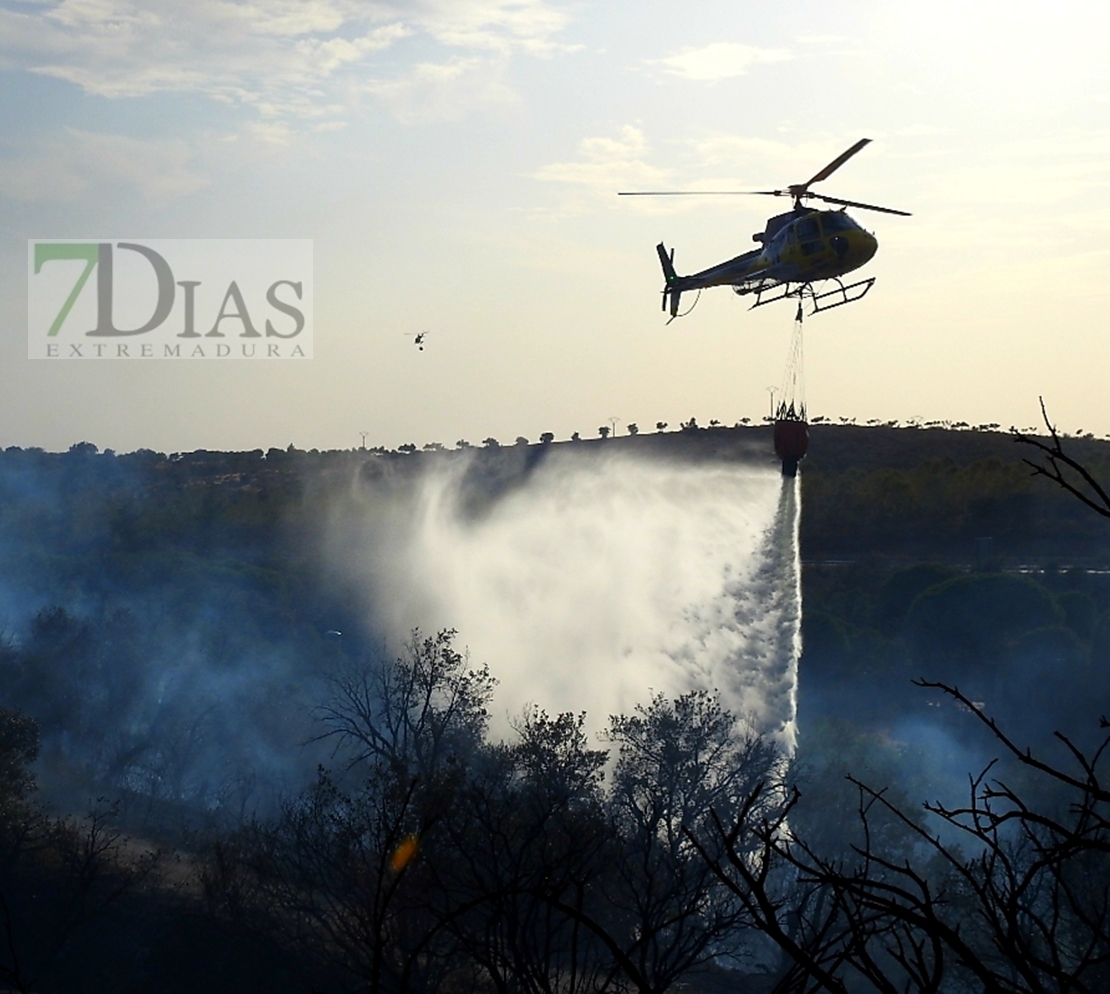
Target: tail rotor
[(672, 292)]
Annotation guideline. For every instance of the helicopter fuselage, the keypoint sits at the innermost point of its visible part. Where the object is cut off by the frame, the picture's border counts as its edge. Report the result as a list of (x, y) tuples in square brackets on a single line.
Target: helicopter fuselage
[(798, 247)]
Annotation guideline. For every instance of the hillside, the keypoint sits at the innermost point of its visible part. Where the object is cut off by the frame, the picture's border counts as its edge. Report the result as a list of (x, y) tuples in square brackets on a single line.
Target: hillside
[(933, 494), (867, 491)]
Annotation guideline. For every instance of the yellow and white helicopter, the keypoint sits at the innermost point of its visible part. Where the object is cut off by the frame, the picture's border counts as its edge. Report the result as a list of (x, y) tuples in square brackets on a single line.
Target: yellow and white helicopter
[(800, 249)]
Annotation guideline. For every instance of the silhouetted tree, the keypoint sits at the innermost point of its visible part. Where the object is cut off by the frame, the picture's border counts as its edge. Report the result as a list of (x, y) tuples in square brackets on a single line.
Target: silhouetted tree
[(1064, 470), (658, 907), (528, 840), (325, 878), (326, 875), (1021, 907), (416, 713)]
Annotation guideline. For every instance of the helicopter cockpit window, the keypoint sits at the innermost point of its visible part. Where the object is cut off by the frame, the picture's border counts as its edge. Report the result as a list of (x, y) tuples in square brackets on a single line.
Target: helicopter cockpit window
[(807, 228), (836, 221)]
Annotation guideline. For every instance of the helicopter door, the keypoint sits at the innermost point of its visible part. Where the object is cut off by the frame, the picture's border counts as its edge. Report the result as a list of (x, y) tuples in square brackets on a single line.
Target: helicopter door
[(830, 225), (810, 236)]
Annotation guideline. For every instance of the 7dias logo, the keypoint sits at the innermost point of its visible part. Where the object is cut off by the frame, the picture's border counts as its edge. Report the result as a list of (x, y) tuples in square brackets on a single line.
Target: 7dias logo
[(169, 299)]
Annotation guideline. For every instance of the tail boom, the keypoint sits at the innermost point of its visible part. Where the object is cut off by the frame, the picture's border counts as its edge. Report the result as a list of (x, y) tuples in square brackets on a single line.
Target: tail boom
[(748, 266)]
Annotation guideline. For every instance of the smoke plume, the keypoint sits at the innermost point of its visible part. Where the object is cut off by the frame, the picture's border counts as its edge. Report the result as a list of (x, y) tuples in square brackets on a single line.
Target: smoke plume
[(599, 580)]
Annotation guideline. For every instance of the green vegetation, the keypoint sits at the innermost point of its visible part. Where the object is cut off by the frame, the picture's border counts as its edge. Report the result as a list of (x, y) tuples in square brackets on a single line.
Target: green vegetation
[(173, 646)]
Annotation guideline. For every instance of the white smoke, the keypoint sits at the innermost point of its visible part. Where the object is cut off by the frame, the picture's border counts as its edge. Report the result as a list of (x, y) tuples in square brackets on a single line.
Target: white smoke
[(601, 580)]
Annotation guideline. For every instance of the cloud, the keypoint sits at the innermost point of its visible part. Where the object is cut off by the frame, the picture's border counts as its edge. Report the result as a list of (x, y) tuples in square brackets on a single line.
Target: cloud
[(64, 168), (495, 25), (719, 60), (721, 148), (270, 132), (295, 59), (444, 91), (231, 52), (607, 164)]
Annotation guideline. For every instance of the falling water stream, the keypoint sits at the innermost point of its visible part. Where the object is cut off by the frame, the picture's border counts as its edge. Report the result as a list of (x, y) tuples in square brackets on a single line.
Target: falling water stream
[(601, 580)]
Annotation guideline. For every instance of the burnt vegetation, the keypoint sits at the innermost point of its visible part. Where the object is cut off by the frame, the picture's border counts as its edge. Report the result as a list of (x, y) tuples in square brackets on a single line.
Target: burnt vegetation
[(212, 777)]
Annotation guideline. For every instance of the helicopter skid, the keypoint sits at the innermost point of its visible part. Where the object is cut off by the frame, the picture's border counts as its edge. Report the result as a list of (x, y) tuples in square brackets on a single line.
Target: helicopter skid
[(824, 301)]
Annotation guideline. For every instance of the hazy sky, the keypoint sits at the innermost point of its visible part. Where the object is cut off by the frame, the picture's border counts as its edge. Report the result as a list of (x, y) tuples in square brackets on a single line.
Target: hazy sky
[(456, 163)]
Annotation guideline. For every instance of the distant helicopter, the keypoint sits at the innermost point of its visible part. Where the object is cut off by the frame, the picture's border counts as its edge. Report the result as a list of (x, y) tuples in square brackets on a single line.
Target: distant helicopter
[(800, 249)]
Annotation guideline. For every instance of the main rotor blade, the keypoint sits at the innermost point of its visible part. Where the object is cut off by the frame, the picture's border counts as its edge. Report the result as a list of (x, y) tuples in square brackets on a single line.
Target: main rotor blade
[(856, 203), (836, 163), (701, 193)]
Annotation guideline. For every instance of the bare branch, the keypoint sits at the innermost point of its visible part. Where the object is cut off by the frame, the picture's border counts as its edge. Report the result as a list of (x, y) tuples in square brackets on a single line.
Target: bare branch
[(1055, 458)]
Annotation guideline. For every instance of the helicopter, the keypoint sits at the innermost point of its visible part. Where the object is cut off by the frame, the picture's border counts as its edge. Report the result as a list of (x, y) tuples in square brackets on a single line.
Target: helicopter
[(800, 249)]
